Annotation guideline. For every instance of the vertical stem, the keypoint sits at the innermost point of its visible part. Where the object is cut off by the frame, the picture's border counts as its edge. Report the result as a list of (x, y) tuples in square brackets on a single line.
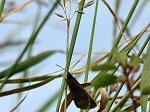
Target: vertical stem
[(70, 53), (91, 43), (90, 47)]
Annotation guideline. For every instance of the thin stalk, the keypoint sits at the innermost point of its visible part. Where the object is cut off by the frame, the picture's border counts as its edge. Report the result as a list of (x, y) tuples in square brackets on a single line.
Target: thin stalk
[(117, 7), (90, 48), (67, 48), (114, 98), (91, 44), (70, 53), (124, 26), (144, 45)]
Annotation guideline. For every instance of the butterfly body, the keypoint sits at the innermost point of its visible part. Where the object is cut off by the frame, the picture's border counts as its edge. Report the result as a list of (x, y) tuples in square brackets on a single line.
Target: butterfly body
[(81, 98)]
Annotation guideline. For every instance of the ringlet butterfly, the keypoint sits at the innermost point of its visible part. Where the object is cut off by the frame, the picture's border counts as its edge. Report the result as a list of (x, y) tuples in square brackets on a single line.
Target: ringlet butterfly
[(81, 98)]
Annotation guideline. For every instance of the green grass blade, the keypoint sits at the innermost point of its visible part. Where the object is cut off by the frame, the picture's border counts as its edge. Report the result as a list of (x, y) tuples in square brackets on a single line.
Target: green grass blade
[(104, 80), (31, 79), (26, 88), (145, 80), (105, 67), (91, 43), (2, 7), (125, 25), (130, 46), (32, 61)]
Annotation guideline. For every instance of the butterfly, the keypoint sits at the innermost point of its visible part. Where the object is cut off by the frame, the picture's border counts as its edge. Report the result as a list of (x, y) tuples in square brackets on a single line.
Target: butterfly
[(81, 98)]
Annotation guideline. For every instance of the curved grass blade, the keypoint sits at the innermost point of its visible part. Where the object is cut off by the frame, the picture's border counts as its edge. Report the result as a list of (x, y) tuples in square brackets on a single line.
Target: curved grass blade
[(31, 79), (26, 88), (113, 13), (28, 63)]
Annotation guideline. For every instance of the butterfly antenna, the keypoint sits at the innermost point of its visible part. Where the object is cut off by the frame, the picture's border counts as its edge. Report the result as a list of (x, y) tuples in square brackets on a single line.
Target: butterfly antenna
[(61, 67), (75, 65)]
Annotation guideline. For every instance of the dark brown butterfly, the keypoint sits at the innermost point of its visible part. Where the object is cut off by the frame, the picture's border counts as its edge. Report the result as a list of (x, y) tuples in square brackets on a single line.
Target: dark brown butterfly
[(81, 98)]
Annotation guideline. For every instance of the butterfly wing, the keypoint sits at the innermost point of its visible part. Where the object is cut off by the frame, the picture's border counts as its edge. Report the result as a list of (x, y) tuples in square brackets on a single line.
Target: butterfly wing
[(81, 98)]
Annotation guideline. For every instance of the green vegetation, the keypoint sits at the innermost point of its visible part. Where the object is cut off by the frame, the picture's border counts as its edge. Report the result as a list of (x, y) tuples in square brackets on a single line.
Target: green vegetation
[(116, 75)]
